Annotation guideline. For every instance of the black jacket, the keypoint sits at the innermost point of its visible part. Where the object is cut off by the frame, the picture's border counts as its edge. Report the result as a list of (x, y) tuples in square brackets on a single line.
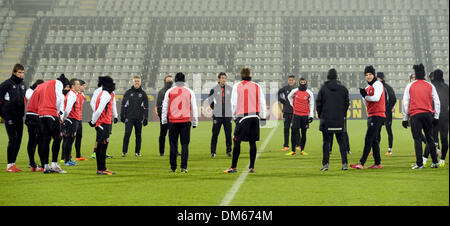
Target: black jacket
[(442, 90), (134, 104), (221, 105), (332, 105), (160, 99), (12, 98), (282, 98), (391, 99)]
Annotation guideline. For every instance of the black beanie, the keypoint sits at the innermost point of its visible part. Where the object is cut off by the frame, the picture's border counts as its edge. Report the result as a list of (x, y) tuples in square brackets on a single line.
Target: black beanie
[(370, 69), (380, 75), (179, 77), (332, 74), (438, 75), (419, 70)]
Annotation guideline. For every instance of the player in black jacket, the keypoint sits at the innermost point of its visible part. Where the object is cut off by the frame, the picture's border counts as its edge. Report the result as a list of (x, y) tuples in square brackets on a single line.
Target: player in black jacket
[(437, 79), (134, 112), (287, 109), (12, 110), (391, 100), (168, 81), (345, 134), (332, 105)]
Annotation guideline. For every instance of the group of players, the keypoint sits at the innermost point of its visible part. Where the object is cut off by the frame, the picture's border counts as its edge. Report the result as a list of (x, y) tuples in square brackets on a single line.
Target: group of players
[(53, 110), (425, 108)]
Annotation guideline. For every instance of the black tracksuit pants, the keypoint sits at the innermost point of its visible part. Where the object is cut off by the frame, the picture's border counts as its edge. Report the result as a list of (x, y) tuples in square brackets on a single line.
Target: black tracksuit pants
[(298, 138), (78, 138), (14, 129), (299, 127), (442, 130), (345, 137), (217, 124), (50, 129), (33, 125), (103, 132), (129, 124), (388, 124), (371, 142), (237, 152), (419, 122), (326, 147), (183, 132), (287, 119), (163, 128), (69, 130), (345, 140)]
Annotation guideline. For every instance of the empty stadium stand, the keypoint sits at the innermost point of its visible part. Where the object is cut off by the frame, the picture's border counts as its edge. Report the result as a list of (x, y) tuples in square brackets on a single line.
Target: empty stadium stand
[(276, 38)]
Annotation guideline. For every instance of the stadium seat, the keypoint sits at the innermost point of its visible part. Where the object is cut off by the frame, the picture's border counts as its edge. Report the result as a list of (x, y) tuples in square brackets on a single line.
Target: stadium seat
[(152, 36)]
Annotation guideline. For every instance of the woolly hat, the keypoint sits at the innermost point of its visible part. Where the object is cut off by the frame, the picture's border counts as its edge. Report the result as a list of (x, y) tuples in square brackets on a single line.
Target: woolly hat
[(370, 69), (179, 77), (438, 75), (332, 74), (380, 75)]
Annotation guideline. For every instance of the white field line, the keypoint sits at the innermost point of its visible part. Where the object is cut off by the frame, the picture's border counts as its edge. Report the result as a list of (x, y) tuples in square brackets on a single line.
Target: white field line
[(237, 184)]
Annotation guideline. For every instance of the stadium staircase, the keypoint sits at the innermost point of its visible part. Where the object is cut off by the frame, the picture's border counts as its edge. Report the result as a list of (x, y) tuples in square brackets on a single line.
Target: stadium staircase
[(15, 44)]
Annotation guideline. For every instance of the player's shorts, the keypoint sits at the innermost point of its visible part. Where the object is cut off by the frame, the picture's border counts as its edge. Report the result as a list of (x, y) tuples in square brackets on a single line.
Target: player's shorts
[(247, 129), (70, 127), (300, 122), (103, 132)]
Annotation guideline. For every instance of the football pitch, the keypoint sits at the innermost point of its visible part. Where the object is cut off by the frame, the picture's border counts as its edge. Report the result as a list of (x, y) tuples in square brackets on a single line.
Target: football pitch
[(279, 180)]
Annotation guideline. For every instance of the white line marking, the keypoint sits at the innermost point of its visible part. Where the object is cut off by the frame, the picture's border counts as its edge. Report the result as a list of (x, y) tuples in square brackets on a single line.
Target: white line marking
[(235, 188)]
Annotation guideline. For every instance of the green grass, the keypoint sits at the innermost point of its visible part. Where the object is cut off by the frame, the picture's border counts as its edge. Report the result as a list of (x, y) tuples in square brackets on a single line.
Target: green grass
[(279, 179)]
